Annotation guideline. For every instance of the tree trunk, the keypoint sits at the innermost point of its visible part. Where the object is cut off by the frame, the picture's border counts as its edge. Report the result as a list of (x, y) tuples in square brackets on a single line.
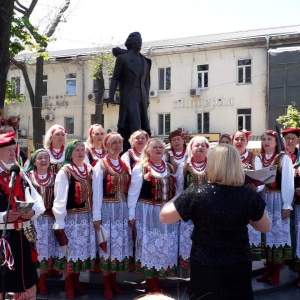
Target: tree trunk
[(6, 13), (38, 123), (99, 100)]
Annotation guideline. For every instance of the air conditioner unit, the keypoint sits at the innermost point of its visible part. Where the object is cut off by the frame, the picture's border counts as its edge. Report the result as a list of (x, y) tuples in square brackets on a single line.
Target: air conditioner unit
[(182, 129), (109, 130), (152, 132), (49, 117), (92, 96), (195, 92), (153, 94)]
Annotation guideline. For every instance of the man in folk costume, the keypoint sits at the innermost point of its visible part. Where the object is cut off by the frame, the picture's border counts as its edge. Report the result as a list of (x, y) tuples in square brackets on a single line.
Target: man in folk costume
[(19, 263), (291, 138)]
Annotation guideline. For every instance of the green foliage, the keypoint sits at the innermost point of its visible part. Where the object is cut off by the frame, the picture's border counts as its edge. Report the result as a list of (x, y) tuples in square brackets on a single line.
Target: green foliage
[(291, 119), (103, 62), (25, 36), (10, 95)]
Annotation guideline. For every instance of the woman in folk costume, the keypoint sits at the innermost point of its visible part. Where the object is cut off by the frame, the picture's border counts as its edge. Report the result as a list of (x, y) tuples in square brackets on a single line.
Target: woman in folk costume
[(43, 181), (138, 141), (278, 197), (225, 139), (94, 144), (193, 171), (152, 185), (72, 209), (178, 153), (20, 270), (250, 162), (55, 143), (291, 139), (110, 186)]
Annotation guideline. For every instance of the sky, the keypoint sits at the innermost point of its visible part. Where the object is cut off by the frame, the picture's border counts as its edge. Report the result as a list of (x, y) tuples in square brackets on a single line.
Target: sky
[(91, 23)]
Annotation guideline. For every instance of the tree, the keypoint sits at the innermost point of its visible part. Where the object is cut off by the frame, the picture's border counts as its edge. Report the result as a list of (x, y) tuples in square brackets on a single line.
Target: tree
[(6, 16), (291, 119), (104, 62), (41, 42)]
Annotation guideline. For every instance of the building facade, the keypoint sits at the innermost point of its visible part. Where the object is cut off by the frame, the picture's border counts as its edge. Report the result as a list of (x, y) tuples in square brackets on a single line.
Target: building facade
[(209, 84)]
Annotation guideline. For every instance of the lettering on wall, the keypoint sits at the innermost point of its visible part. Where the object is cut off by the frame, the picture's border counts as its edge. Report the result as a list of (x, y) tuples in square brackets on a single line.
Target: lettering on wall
[(212, 103)]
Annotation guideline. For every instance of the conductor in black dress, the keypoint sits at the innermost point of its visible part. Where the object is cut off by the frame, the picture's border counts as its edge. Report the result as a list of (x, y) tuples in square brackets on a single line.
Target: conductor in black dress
[(132, 73)]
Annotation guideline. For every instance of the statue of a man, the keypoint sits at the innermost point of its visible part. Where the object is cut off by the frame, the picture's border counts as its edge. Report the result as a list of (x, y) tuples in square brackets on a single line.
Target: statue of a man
[(132, 73)]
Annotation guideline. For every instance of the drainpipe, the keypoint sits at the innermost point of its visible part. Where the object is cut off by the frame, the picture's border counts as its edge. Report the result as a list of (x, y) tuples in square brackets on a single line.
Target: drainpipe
[(268, 83), (82, 95)]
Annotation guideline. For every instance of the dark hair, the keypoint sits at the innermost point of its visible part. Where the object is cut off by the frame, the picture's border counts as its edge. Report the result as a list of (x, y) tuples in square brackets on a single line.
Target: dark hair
[(275, 135), (130, 38)]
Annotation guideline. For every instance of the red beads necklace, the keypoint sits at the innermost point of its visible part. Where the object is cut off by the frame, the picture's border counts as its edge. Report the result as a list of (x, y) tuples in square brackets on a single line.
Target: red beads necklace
[(244, 159), (117, 168), (199, 167), (57, 155), (82, 174), (178, 156), (266, 162), (136, 153), (98, 155), (158, 168), (40, 181)]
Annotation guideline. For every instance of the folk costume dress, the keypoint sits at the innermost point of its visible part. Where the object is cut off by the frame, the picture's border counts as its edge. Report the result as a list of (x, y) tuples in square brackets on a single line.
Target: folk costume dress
[(157, 244), (57, 159), (72, 209), (131, 157), (24, 276), (93, 155), (253, 162), (278, 195), (193, 174), (176, 158), (110, 187), (44, 184)]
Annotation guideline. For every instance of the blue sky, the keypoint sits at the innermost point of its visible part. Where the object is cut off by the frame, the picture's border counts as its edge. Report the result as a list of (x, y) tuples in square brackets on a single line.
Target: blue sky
[(95, 22)]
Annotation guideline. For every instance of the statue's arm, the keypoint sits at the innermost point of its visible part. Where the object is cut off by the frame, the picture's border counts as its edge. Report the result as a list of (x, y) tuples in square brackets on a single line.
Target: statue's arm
[(116, 77)]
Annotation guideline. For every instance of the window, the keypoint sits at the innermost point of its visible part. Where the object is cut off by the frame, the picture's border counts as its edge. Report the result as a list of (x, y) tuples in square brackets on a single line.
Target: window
[(244, 119), (202, 76), (164, 79), (203, 123), (15, 84), (45, 85), (69, 125), (244, 71), (164, 124), (71, 84)]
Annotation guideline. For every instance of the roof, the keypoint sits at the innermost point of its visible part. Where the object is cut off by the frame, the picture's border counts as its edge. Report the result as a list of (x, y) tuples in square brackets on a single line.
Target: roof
[(186, 41)]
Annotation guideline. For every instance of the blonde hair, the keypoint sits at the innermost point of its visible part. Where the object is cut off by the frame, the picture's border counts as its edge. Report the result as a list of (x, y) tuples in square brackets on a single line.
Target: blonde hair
[(137, 133), (93, 128), (224, 166), (194, 140), (111, 138), (53, 129), (145, 157)]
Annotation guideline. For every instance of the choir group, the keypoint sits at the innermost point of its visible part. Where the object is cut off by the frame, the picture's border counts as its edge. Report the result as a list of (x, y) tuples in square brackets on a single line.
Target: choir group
[(101, 206)]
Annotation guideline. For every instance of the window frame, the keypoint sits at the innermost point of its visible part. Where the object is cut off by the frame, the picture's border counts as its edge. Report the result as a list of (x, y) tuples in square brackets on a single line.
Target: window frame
[(244, 68), (203, 128), (16, 85), (164, 79), (67, 125), (203, 74), (244, 113), (70, 79), (166, 128)]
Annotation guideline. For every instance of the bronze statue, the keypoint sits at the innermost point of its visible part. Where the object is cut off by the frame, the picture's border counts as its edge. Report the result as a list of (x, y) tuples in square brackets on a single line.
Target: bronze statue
[(132, 73)]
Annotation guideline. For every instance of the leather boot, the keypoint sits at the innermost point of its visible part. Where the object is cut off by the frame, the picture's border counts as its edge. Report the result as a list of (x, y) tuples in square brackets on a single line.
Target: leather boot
[(69, 287), (77, 285), (42, 284), (114, 285), (275, 274), (267, 273), (108, 294), (149, 285)]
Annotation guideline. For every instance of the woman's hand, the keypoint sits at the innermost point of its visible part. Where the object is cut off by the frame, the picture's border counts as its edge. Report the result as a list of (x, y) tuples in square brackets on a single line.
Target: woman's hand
[(28, 214), (285, 213), (12, 216), (97, 224)]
